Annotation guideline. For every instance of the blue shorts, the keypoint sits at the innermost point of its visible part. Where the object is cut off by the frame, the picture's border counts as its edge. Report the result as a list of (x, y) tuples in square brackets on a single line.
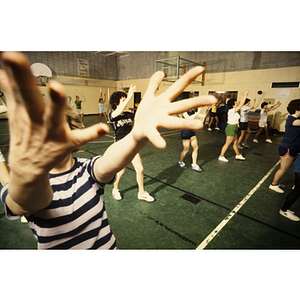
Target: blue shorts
[(287, 151), (243, 125), (213, 114), (186, 134)]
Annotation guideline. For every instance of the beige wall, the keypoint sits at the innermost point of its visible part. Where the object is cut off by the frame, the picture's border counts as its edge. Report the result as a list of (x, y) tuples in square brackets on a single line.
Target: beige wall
[(241, 81), (230, 81)]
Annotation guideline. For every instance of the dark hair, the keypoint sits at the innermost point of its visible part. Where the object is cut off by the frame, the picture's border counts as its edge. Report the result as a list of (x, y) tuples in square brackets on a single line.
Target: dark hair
[(115, 99), (230, 103), (293, 106), (247, 101), (264, 104)]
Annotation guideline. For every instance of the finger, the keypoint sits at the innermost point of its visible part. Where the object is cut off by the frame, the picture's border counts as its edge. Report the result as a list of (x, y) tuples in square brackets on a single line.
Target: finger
[(83, 136), (154, 83), (156, 139), (181, 123), (55, 114), (22, 81), (177, 88), (191, 103)]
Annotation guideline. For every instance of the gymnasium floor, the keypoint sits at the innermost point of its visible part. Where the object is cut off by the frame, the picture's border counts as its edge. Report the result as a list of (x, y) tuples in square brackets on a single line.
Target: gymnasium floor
[(227, 206)]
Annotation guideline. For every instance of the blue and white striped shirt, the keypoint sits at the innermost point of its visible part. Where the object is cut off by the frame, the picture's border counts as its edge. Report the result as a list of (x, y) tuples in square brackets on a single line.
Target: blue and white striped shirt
[(76, 217)]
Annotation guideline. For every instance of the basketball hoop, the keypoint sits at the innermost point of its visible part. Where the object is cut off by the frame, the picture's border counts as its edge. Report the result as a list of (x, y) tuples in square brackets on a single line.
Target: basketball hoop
[(41, 73)]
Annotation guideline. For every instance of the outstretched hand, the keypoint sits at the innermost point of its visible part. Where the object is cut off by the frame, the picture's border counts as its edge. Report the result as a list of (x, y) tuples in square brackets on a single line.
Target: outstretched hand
[(40, 137), (156, 112)]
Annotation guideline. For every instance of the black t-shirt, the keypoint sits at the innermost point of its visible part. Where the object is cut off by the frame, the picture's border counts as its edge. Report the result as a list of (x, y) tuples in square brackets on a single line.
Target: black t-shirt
[(121, 124)]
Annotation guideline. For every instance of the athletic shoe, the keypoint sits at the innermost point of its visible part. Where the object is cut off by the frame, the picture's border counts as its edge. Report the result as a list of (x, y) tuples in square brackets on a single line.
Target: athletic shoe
[(255, 141), (268, 141), (276, 188), (209, 129), (116, 194), (182, 165), (145, 197), (240, 147), (240, 157), (217, 128), (222, 158), (290, 215), (196, 168), (23, 220), (245, 145)]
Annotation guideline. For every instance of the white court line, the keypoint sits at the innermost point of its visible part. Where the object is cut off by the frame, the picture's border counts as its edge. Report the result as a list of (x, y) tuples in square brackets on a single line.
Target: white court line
[(209, 238)]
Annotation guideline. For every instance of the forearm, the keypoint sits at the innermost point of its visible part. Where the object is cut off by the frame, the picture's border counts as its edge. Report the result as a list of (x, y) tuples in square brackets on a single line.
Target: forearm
[(27, 193), (117, 157)]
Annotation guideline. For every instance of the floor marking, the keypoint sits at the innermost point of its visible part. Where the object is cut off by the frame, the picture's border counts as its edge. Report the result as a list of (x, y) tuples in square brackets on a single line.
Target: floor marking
[(168, 228), (210, 237)]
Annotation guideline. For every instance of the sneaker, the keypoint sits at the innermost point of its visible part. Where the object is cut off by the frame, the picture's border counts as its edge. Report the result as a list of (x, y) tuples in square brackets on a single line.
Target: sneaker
[(182, 165), (145, 197), (276, 188), (290, 215), (240, 157), (23, 219), (196, 168), (222, 158), (116, 194), (209, 129), (268, 141), (217, 128), (240, 147), (255, 141), (245, 145)]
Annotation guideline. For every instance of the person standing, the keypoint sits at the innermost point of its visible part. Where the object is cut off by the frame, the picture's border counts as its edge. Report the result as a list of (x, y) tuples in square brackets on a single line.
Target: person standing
[(289, 147), (189, 138), (102, 109), (121, 122), (245, 130), (232, 128), (263, 121), (79, 107)]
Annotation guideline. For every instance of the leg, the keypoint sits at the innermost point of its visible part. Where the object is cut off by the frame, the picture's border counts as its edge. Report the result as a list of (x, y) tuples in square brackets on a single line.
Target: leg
[(100, 115), (235, 145), (266, 132), (290, 200), (241, 136), (247, 135), (105, 116), (259, 132), (186, 147), (229, 140), (217, 121), (115, 192), (194, 144), (139, 169), (285, 163)]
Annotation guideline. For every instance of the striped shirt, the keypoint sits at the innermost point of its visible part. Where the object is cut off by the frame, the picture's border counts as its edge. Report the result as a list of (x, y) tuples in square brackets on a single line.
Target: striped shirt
[(76, 217)]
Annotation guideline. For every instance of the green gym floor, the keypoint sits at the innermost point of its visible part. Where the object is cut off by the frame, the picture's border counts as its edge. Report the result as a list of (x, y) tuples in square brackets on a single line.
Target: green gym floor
[(227, 206)]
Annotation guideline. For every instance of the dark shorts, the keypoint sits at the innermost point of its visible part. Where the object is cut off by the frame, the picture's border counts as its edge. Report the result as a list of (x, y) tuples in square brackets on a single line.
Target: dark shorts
[(297, 165), (187, 134), (243, 125), (213, 114), (287, 151)]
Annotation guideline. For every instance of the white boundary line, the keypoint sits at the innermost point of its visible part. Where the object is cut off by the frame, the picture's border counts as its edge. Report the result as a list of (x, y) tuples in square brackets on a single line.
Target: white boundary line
[(209, 238)]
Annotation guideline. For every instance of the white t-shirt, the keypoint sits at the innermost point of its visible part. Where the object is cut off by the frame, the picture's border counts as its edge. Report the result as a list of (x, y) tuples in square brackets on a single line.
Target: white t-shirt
[(244, 113), (233, 117)]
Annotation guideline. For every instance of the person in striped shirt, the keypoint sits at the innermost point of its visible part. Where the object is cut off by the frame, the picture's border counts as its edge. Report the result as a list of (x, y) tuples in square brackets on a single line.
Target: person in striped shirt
[(62, 196)]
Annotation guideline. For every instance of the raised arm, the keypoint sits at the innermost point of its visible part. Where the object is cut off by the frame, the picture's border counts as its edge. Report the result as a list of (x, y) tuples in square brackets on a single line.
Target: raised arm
[(154, 112), (256, 104), (40, 138), (274, 106), (242, 101), (123, 103)]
